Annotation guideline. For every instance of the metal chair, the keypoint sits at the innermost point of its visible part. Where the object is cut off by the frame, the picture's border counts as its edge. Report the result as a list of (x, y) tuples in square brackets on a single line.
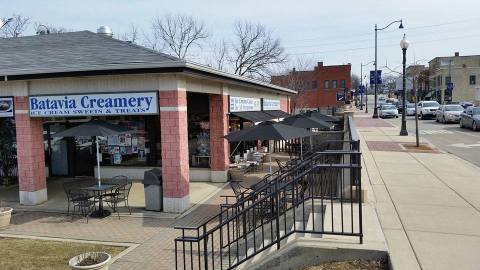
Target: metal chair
[(81, 201), (120, 195)]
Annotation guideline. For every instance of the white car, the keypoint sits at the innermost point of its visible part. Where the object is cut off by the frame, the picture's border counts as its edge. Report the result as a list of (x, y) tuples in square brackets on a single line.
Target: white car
[(387, 110), (410, 109), (427, 109), (449, 113)]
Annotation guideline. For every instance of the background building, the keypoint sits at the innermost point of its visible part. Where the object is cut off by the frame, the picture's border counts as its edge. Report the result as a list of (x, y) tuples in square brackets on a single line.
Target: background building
[(316, 88), (462, 71)]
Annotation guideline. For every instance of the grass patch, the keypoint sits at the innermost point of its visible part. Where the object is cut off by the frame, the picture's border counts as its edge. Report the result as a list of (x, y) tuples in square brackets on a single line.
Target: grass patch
[(18, 253)]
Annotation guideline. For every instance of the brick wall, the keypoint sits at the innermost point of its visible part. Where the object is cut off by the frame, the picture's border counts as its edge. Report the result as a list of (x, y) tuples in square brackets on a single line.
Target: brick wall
[(174, 143), (30, 149), (219, 128)]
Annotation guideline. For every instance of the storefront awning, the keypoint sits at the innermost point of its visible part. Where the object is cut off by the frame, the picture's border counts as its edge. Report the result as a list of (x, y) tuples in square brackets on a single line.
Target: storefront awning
[(254, 116), (277, 114)]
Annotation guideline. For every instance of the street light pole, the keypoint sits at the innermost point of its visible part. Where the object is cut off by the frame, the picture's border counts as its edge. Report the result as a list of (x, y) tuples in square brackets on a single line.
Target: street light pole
[(404, 45), (375, 109), (366, 90)]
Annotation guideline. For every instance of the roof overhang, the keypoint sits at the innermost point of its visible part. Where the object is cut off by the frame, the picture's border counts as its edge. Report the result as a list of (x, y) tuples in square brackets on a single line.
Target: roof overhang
[(140, 68)]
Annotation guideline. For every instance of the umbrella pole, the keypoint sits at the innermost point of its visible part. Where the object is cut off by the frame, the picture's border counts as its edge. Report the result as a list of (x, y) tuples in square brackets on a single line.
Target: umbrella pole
[(98, 162), (301, 148), (270, 157)]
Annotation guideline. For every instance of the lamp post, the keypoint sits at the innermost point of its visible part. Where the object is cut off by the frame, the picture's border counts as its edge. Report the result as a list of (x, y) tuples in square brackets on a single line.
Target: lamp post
[(375, 110), (404, 45), (366, 92)]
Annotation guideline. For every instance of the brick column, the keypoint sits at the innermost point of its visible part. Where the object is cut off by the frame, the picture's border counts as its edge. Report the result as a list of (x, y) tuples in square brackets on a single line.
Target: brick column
[(218, 145), (30, 155), (284, 106), (174, 141)]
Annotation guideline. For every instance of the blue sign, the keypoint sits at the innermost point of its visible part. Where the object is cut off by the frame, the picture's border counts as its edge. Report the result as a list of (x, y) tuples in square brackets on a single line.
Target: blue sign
[(361, 89), (340, 96), (379, 77), (450, 86), (136, 103)]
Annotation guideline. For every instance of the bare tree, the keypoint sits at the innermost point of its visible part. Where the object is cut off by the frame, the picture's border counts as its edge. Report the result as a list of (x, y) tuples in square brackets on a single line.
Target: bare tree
[(178, 33), (49, 28), (131, 36), (220, 55), (15, 27), (293, 77), (255, 50), (355, 81)]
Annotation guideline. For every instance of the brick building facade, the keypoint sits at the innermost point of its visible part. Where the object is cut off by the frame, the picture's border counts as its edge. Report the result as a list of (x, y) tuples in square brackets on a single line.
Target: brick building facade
[(316, 88)]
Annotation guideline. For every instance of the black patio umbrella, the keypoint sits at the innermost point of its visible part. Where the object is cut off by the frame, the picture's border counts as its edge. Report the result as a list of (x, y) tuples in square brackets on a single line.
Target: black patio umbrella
[(94, 128), (321, 116), (268, 131), (305, 121)]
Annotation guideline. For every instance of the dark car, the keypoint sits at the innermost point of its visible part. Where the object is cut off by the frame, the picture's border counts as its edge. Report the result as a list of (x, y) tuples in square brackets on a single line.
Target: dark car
[(470, 118), (465, 104)]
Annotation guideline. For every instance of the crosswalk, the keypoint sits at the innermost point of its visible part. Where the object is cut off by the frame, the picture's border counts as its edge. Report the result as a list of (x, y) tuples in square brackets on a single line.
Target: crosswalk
[(431, 132)]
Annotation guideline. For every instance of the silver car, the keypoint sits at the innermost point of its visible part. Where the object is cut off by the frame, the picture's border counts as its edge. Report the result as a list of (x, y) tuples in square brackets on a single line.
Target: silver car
[(449, 113), (410, 109), (427, 109), (388, 110)]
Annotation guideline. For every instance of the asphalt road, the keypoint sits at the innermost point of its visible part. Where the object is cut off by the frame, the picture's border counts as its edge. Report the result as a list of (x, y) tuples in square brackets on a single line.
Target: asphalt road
[(463, 143)]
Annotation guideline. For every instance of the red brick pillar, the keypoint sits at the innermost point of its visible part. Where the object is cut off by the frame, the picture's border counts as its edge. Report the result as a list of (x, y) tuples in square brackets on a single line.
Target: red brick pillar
[(174, 141), (284, 105), (218, 145), (30, 155)]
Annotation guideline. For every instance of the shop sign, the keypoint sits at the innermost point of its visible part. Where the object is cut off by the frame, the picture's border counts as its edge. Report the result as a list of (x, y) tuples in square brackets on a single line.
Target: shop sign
[(271, 104), (244, 104), (6, 106), (135, 103)]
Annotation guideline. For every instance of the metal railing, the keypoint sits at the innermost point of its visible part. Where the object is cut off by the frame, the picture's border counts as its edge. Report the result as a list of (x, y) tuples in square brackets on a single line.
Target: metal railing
[(317, 195)]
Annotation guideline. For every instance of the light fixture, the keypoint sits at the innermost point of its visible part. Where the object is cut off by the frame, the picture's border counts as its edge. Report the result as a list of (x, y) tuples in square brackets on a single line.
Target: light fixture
[(404, 43)]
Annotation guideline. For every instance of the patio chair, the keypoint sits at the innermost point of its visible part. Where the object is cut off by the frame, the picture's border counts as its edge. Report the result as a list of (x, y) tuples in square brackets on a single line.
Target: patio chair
[(120, 195), (82, 201)]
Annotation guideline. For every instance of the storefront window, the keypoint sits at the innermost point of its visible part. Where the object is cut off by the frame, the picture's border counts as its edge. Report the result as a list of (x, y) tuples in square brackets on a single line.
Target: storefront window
[(138, 148), (198, 130)]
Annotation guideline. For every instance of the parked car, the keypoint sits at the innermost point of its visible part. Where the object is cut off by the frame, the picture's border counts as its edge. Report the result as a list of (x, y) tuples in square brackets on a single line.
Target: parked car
[(449, 113), (410, 109), (381, 101), (470, 118), (387, 110), (427, 109), (466, 104)]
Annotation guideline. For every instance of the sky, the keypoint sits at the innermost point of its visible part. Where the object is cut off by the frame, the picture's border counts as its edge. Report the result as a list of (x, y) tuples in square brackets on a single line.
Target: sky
[(335, 32)]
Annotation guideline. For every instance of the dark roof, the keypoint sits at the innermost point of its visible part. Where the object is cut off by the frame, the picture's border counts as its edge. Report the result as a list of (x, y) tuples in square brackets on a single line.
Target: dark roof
[(71, 51), (85, 53)]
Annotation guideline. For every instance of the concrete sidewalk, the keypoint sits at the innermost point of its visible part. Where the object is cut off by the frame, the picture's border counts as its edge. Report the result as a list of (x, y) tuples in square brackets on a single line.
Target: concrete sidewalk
[(428, 203)]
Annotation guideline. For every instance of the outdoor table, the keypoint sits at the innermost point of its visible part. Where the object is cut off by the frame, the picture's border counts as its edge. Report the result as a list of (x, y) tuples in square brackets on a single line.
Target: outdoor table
[(100, 190)]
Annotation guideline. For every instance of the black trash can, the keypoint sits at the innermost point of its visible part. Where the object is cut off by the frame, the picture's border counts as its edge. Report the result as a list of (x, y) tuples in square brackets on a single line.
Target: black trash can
[(153, 187)]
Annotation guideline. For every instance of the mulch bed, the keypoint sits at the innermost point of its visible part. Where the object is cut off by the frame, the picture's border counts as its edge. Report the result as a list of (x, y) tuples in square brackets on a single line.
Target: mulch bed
[(351, 265)]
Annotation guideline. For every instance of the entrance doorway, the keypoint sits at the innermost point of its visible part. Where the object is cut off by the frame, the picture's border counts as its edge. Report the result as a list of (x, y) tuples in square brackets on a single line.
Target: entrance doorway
[(68, 156)]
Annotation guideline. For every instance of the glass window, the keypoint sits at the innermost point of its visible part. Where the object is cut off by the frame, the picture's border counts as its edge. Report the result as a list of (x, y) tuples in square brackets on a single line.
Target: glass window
[(476, 111), (198, 117), (342, 84), (314, 85), (448, 79), (454, 108), (326, 84), (430, 104), (305, 85), (473, 79), (439, 80), (138, 148), (334, 84)]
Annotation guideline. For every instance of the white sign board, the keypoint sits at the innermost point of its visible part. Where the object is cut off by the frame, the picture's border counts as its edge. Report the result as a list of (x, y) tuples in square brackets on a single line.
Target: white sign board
[(6, 107), (135, 103), (244, 104), (271, 104)]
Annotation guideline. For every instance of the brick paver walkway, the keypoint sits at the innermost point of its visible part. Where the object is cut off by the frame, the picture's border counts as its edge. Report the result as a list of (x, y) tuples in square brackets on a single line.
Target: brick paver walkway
[(155, 236)]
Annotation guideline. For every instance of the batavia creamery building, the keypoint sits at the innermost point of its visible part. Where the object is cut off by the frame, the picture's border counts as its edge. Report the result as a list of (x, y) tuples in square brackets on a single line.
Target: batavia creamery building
[(178, 111)]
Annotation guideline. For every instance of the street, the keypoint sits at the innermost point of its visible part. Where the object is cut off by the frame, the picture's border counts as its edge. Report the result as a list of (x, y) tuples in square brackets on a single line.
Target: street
[(463, 143)]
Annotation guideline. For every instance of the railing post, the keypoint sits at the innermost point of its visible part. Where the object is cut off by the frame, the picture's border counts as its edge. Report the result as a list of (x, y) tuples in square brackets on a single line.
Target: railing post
[(278, 213), (205, 245)]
